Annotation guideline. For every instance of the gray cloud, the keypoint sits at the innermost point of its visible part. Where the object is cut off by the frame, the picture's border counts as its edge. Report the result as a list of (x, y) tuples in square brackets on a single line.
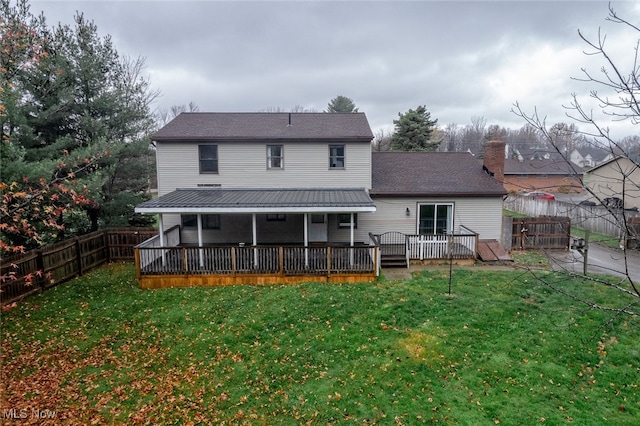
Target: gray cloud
[(460, 59)]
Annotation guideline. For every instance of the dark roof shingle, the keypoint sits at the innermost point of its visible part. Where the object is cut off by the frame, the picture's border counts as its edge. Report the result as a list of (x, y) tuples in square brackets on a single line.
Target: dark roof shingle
[(541, 167), (431, 174), (265, 125)]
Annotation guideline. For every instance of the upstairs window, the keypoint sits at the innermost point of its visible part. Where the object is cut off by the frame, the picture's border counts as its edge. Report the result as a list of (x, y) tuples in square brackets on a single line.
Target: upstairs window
[(208, 155), (336, 156), (275, 157)]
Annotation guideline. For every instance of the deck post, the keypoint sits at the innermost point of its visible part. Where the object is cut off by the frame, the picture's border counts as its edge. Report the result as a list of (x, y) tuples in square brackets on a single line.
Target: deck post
[(185, 267), (233, 261), (136, 253)]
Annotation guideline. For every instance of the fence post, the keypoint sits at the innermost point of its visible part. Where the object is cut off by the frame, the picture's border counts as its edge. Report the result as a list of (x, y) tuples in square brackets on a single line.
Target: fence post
[(105, 235), (78, 255), (40, 267)]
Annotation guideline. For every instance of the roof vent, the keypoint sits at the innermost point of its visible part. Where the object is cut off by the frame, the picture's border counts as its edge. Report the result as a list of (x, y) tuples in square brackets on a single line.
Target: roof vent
[(289, 125)]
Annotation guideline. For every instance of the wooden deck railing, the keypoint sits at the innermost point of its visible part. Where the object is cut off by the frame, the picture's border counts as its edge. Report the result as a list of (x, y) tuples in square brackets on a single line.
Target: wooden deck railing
[(444, 246), (423, 247), (260, 260)]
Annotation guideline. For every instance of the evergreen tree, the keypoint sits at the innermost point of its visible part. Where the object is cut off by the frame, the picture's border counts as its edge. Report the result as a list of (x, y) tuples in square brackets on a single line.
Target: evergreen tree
[(341, 104), (71, 111), (413, 131)]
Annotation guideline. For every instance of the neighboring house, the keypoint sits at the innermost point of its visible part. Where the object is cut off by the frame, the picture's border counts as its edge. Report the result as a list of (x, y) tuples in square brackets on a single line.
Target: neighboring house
[(284, 197), (525, 152), (541, 175), (589, 156), (619, 178)]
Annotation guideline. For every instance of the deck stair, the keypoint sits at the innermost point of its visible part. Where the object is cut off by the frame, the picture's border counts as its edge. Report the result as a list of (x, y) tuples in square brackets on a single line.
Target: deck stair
[(393, 250), (492, 251), (393, 261)]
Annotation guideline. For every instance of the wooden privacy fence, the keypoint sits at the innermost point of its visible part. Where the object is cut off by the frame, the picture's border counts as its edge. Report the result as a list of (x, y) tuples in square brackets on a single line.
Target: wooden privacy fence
[(38, 270), (541, 233), (593, 218)]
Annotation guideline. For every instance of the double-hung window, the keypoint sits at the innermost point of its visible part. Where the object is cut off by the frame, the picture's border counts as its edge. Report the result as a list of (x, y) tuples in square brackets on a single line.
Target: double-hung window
[(344, 220), (435, 219), (208, 155), (336, 156), (275, 157)]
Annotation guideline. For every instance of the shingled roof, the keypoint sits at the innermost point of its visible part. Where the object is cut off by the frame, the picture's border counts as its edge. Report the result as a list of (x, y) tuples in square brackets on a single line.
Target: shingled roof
[(436, 174), (513, 166), (266, 126)]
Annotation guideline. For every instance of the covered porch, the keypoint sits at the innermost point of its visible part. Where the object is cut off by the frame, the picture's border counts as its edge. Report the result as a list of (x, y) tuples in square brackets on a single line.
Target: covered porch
[(253, 253)]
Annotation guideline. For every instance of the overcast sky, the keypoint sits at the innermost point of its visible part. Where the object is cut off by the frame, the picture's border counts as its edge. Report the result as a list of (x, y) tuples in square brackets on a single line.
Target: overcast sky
[(459, 59)]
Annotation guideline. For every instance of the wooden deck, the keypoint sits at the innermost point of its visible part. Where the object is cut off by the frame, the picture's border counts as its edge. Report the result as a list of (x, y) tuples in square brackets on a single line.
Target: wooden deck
[(159, 267)]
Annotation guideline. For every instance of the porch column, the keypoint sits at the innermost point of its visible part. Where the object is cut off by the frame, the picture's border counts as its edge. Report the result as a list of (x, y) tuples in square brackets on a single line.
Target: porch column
[(161, 230), (351, 241), (200, 251), (254, 229), (255, 239), (161, 235), (306, 239), (351, 229)]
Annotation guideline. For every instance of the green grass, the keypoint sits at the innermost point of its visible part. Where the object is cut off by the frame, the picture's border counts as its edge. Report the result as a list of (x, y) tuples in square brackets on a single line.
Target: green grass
[(530, 258), (511, 213), (500, 349)]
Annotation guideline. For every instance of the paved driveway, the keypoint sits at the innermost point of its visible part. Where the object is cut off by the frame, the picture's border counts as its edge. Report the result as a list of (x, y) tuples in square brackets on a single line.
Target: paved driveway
[(600, 260)]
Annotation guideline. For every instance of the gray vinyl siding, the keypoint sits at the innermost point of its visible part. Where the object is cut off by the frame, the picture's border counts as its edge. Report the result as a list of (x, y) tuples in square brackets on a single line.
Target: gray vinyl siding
[(237, 228), (244, 164), (480, 214)]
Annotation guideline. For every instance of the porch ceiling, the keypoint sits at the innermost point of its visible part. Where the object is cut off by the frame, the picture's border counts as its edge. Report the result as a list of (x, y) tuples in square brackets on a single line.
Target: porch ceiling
[(258, 200)]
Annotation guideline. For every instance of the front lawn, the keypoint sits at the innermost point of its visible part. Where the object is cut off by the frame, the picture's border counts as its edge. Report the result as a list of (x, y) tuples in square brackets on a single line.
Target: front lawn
[(500, 349)]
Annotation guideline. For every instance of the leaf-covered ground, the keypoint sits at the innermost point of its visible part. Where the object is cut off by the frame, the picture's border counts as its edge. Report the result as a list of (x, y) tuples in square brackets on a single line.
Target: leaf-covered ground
[(499, 350)]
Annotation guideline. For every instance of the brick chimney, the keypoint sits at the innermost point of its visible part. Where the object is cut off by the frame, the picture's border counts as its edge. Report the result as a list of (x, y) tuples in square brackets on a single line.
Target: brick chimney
[(493, 159)]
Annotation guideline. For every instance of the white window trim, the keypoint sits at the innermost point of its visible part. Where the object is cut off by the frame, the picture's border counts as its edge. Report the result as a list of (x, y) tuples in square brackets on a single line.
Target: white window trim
[(344, 156), (271, 157), (450, 219)]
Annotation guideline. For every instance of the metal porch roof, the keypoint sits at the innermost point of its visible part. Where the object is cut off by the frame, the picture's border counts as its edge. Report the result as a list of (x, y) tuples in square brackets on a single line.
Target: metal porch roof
[(258, 200)]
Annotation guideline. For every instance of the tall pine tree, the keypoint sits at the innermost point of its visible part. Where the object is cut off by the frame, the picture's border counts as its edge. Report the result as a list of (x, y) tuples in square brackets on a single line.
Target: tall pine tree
[(413, 131)]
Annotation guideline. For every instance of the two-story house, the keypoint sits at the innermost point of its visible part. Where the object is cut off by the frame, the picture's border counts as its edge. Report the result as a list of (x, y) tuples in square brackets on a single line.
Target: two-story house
[(264, 197), (262, 178)]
